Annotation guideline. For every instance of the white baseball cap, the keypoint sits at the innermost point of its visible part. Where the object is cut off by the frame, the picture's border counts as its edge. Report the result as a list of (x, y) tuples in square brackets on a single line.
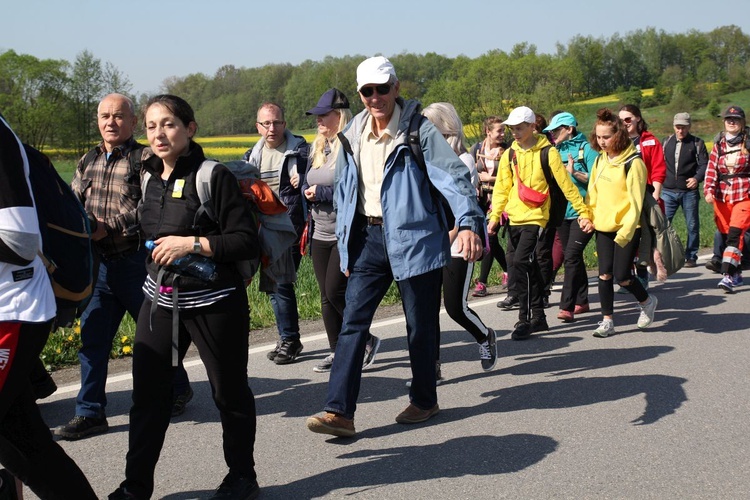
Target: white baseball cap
[(519, 115), (375, 70)]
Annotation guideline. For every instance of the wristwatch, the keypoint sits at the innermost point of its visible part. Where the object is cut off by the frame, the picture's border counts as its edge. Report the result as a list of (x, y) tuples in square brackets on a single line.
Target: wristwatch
[(197, 245)]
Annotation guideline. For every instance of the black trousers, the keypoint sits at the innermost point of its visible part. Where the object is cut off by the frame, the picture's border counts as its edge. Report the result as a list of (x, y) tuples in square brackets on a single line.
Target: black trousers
[(617, 262), (27, 449), (220, 332), (544, 254), (528, 284), (332, 285), (575, 282)]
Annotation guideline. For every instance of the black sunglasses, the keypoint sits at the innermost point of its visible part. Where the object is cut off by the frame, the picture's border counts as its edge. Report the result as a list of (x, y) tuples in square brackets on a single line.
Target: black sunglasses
[(383, 89)]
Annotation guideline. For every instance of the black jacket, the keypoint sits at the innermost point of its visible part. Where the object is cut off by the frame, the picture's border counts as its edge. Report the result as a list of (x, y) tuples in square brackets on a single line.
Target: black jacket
[(692, 163), (162, 213)]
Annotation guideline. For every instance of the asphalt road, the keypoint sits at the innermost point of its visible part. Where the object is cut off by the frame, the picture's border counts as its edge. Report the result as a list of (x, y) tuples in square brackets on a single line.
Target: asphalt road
[(661, 413)]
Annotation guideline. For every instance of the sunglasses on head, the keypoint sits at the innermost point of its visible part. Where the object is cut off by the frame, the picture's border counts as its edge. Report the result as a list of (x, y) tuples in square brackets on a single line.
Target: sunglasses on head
[(383, 89)]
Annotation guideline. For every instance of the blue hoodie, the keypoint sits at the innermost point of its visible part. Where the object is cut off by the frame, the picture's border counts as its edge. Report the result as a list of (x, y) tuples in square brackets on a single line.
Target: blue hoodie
[(584, 156)]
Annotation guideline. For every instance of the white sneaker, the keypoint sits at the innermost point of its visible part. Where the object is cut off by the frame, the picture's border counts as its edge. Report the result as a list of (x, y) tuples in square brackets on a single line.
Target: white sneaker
[(605, 329), (647, 312)]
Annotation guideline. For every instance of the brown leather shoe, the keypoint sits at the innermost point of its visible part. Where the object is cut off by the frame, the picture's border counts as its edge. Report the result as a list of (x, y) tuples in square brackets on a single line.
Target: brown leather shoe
[(333, 424), (414, 415)]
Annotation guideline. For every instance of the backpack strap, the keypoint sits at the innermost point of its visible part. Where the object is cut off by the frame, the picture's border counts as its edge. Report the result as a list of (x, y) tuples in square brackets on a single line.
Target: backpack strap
[(414, 143), (203, 187), (544, 157), (629, 162)]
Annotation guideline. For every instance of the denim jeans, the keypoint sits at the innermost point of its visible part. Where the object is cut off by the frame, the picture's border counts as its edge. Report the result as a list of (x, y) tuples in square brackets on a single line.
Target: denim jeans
[(284, 304), (368, 283), (688, 200), (118, 289)]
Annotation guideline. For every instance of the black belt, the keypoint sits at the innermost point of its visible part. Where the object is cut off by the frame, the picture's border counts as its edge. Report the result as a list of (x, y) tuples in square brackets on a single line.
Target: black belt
[(370, 221)]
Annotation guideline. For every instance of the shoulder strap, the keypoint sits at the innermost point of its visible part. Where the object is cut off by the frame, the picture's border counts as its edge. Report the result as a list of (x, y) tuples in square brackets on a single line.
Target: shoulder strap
[(415, 122), (203, 187), (629, 162), (544, 156), (88, 159)]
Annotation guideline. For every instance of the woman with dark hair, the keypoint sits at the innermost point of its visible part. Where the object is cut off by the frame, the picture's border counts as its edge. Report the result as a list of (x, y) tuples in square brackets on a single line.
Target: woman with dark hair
[(652, 154), (727, 187), (211, 312), (617, 186), (331, 114)]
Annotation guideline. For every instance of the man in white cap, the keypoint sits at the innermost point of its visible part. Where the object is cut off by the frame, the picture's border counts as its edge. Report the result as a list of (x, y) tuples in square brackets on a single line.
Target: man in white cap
[(522, 190), (391, 227), (686, 158)]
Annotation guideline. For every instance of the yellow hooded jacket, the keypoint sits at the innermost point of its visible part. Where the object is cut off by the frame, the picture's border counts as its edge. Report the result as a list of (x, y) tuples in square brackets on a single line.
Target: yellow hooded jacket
[(615, 200), (505, 193)]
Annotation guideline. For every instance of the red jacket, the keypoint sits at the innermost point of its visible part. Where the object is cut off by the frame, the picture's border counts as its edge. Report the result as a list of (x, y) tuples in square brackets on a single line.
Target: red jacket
[(653, 156)]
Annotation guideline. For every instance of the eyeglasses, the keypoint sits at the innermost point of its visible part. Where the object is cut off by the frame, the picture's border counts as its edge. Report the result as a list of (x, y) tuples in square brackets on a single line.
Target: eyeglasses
[(275, 123), (628, 119), (383, 89)]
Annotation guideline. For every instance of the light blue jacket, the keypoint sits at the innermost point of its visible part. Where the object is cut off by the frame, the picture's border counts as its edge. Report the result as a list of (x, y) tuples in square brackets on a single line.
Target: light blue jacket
[(577, 146), (414, 226)]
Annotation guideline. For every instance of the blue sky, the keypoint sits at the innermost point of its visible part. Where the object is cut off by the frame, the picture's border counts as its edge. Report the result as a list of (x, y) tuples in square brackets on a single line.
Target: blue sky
[(150, 40)]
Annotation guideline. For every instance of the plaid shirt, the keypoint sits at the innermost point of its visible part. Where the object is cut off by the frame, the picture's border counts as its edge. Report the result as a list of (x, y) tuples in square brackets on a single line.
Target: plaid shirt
[(110, 190), (734, 189)]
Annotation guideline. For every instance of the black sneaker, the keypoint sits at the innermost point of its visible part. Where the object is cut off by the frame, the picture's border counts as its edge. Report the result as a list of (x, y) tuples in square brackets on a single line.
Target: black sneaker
[(714, 265), (81, 427), (545, 301), (488, 351), (508, 303), (371, 350), (288, 351), (236, 487), (180, 401), (272, 355), (690, 263), (539, 325), (522, 331), (121, 494)]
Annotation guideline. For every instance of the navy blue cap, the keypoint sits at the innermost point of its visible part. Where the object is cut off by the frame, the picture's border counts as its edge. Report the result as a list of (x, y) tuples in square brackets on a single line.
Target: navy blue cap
[(332, 99)]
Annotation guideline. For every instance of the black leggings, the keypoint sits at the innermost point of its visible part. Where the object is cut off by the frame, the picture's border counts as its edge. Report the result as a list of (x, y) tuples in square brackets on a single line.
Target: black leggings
[(617, 262), (220, 332), (496, 254), (575, 282), (456, 281), (332, 285), (26, 446)]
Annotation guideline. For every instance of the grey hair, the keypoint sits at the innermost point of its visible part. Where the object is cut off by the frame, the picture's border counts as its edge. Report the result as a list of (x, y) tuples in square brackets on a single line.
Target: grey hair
[(446, 119)]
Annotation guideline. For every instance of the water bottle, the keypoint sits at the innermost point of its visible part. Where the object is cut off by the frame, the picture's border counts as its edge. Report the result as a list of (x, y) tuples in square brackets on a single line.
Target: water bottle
[(193, 265)]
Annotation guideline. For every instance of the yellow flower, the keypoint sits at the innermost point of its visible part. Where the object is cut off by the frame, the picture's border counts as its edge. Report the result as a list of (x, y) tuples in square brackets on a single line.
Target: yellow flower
[(58, 351), (77, 329), (70, 338), (124, 339), (127, 350)]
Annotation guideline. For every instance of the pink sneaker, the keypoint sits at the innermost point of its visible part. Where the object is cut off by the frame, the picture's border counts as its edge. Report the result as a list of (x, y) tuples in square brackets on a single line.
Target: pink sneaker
[(505, 280), (565, 316), (581, 308), (480, 290)]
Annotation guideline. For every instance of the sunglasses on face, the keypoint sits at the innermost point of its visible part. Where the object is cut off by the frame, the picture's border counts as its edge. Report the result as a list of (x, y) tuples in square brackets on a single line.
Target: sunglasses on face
[(731, 119), (383, 89), (628, 119)]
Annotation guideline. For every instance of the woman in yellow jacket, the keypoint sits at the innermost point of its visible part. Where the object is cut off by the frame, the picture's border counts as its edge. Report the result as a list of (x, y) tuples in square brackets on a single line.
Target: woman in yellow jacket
[(615, 196), (520, 179)]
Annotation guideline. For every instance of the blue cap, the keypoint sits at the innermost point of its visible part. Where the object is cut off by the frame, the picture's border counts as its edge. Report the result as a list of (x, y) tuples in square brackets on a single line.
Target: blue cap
[(332, 99), (562, 120)]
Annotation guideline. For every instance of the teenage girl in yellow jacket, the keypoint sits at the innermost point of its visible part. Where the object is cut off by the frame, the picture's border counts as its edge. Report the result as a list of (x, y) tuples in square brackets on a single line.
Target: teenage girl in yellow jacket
[(615, 197)]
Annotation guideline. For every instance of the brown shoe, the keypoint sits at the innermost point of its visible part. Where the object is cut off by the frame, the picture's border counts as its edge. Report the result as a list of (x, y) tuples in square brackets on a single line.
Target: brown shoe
[(333, 424), (414, 415)]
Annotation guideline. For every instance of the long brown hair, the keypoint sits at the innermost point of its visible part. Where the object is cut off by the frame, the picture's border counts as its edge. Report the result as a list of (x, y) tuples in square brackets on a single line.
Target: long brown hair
[(620, 138)]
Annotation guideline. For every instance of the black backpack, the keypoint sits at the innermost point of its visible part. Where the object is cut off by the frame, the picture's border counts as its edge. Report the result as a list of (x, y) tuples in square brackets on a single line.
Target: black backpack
[(416, 152), (558, 202), (66, 238)]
